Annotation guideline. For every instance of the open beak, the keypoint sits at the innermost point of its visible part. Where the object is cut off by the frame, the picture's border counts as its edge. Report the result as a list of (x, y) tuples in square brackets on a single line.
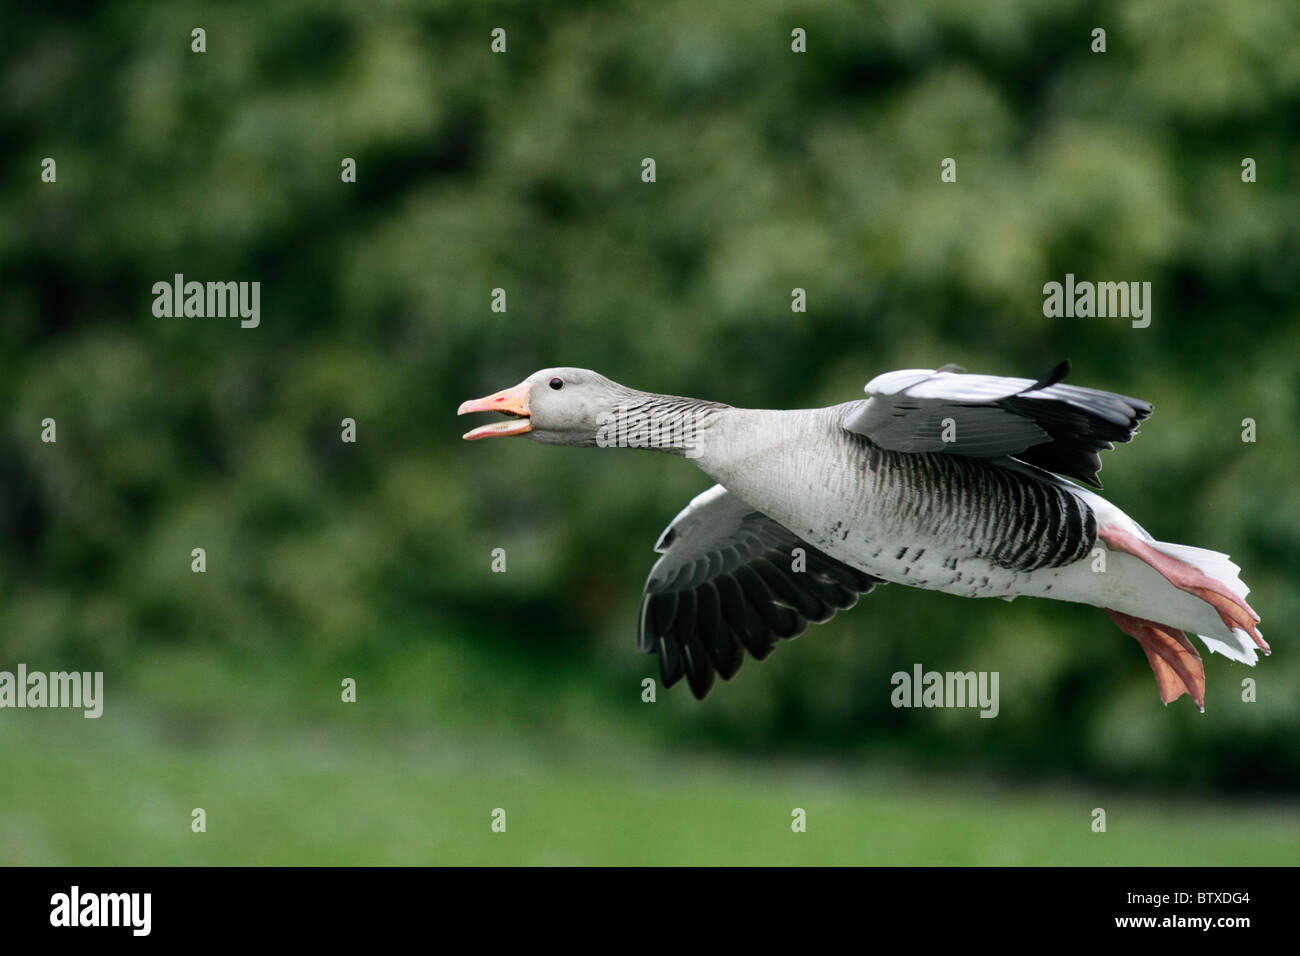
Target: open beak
[(512, 402)]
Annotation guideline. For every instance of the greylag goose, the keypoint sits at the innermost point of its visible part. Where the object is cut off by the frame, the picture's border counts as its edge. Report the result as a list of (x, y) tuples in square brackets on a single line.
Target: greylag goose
[(938, 479)]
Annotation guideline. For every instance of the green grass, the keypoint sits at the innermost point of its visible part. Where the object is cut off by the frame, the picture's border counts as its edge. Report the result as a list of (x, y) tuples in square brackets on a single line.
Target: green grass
[(120, 793)]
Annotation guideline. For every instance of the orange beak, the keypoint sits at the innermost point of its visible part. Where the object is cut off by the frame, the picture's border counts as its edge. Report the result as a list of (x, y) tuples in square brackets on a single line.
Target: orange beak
[(512, 402)]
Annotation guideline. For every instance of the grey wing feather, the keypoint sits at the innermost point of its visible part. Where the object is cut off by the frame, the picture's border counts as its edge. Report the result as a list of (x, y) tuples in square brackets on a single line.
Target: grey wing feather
[(1059, 428), (724, 586)]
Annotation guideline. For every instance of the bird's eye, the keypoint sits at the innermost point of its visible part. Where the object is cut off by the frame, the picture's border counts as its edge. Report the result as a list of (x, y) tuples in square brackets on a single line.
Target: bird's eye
[(556, 383)]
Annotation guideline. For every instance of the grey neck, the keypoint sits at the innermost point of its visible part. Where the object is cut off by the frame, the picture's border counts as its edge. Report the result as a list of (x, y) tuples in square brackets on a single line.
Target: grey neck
[(665, 423)]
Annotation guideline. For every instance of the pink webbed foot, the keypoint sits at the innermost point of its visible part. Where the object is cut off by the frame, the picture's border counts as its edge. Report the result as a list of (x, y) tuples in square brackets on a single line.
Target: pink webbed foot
[(1233, 611), (1173, 659)]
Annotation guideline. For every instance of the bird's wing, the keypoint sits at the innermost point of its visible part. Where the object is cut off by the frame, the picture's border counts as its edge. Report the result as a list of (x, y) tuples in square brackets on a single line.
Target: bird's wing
[(1059, 428), (727, 584)]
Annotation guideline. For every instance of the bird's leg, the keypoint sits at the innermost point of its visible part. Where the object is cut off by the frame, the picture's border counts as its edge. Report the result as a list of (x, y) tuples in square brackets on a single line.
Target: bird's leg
[(1234, 611), (1174, 660)]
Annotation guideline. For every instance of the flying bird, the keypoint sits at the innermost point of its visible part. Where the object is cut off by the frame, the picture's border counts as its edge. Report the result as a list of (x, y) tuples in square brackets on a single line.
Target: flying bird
[(938, 479)]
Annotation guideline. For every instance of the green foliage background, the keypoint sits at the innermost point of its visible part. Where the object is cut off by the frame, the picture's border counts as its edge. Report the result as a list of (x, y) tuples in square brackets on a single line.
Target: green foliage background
[(522, 171)]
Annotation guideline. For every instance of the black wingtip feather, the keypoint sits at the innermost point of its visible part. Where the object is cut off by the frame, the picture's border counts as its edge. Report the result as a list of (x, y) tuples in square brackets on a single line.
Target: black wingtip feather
[(1080, 422), (705, 631)]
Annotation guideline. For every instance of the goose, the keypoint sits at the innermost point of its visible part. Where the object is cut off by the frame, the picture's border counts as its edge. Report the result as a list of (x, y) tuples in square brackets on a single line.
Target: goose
[(945, 480)]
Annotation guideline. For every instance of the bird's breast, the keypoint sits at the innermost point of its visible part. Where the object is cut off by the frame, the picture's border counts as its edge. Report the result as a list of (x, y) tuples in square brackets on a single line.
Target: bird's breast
[(961, 525)]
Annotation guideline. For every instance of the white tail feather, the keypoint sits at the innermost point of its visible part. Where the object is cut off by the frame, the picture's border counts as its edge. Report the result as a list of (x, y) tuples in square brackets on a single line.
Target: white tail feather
[(1139, 591), (1238, 645)]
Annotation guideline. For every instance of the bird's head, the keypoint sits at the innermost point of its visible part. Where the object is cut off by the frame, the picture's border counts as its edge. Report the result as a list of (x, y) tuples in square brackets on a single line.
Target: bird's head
[(556, 406)]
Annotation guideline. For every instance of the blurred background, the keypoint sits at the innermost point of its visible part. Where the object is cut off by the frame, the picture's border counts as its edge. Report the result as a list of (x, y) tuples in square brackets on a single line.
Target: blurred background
[(522, 171)]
